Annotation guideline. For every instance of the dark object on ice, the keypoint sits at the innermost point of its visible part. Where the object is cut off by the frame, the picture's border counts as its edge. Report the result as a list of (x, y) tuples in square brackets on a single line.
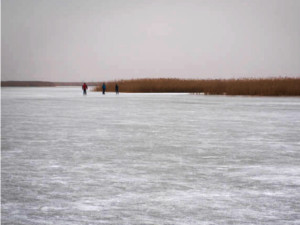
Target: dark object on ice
[(84, 87), (103, 88), (117, 89)]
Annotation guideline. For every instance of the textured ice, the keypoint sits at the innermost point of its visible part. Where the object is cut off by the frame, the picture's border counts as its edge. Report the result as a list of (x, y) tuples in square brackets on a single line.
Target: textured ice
[(148, 158)]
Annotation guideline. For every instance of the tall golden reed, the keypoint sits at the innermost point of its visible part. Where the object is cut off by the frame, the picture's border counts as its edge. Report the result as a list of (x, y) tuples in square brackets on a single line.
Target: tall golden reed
[(259, 87)]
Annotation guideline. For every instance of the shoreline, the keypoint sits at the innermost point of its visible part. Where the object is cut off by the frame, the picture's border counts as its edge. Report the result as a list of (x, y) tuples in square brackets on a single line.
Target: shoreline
[(279, 87)]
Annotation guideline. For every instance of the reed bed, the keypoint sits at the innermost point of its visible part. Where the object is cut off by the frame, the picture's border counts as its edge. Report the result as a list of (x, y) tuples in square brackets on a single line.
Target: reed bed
[(257, 87)]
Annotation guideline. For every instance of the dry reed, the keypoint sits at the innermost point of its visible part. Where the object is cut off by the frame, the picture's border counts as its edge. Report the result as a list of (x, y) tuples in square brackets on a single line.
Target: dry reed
[(259, 87)]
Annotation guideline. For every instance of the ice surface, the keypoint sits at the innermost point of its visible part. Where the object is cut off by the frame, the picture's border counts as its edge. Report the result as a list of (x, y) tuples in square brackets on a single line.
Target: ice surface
[(148, 158)]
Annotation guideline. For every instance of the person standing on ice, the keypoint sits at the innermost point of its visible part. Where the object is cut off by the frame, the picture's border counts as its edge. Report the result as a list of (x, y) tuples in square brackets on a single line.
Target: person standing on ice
[(103, 88), (84, 88), (117, 89)]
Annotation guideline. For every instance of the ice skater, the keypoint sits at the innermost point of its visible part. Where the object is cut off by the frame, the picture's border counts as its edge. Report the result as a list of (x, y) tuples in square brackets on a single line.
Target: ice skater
[(103, 88), (84, 88), (117, 89)]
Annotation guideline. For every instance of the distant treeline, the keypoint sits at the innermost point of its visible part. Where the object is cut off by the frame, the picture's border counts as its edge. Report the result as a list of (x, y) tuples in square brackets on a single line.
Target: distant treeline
[(43, 84), (258, 87), (76, 83), (26, 84)]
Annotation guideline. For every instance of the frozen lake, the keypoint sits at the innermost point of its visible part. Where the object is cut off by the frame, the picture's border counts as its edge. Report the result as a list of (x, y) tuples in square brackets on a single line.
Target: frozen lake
[(148, 158)]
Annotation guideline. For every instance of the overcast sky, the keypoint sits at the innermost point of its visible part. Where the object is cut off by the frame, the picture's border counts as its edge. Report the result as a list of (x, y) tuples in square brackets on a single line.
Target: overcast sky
[(95, 40)]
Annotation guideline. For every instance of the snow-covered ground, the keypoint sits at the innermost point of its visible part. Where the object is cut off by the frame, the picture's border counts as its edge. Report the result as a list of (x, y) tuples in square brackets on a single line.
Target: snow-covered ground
[(148, 158)]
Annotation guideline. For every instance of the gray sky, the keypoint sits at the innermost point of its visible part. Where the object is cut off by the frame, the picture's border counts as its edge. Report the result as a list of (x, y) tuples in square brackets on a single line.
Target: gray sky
[(94, 40)]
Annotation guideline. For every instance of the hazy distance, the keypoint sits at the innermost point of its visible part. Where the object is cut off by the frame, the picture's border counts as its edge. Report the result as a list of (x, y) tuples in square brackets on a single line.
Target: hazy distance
[(94, 40)]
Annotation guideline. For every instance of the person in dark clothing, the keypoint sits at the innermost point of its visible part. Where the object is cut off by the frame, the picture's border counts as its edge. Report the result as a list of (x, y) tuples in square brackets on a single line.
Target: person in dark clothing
[(84, 88), (103, 88), (117, 89)]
